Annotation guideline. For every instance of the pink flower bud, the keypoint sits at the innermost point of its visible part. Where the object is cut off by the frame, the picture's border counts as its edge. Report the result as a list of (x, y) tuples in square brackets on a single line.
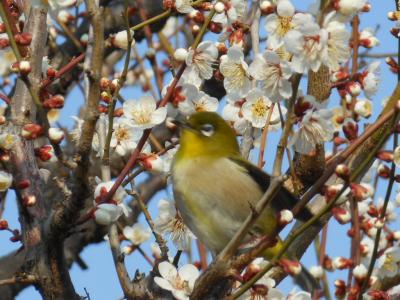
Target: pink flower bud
[(152, 162), (383, 171), (359, 191), (385, 155), (104, 83), (350, 129)]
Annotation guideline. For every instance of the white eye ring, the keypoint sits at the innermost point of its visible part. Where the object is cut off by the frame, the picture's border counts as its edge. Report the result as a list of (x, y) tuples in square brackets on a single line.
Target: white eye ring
[(207, 130)]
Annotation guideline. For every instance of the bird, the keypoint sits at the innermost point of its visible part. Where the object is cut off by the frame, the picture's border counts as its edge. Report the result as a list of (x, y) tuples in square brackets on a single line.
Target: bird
[(215, 187)]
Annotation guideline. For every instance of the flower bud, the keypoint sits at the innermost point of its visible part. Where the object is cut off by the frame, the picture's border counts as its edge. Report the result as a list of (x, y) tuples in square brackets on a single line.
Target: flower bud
[(31, 131), (23, 39), (106, 97), (152, 162), (360, 273), (341, 215), (350, 129), (24, 67), (341, 263), (104, 83), (55, 102), (383, 171), (56, 135), (23, 184), (327, 263), (267, 7), (285, 217), (120, 40), (354, 88), (180, 54), (219, 7), (45, 153), (385, 155), (51, 73), (317, 272), (29, 200), (3, 224), (291, 267), (342, 171), (359, 191), (64, 16)]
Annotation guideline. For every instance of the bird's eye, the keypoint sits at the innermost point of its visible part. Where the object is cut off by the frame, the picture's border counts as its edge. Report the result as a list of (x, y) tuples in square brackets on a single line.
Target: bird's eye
[(207, 130)]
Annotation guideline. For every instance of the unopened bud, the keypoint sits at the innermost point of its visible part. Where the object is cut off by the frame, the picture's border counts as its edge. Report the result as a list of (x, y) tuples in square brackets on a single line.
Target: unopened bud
[(383, 171), (350, 129), (29, 200), (45, 153), (317, 272), (104, 83), (340, 288), (105, 96), (285, 217), (56, 135), (24, 67), (23, 39), (385, 155), (341, 263), (3, 224), (290, 266), (31, 131), (341, 214), (180, 54), (152, 162), (342, 171), (23, 184), (54, 102), (354, 88), (219, 7), (360, 273)]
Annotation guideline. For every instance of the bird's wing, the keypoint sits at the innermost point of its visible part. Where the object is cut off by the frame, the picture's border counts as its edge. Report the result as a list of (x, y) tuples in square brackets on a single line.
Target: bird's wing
[(284, 198)]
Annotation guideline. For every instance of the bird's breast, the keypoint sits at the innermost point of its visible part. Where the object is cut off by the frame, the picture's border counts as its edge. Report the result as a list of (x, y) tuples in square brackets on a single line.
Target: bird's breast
[(214, 197)]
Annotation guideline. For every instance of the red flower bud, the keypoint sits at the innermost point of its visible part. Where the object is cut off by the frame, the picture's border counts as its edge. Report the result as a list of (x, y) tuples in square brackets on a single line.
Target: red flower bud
[(23, 184), (44, 153), (31, 131), (24, 38), (3, 224), (56, 101)]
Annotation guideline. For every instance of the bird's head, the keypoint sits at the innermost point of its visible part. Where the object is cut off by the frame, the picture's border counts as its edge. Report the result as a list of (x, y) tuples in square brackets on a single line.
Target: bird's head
[(206, 134)]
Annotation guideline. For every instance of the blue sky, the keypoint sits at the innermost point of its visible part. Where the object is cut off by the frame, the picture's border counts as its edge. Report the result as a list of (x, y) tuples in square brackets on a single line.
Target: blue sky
[(100, 279)]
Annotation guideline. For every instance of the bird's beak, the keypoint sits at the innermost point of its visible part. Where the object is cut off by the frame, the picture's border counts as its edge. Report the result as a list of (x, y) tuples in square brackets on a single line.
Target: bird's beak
[(182, 124)]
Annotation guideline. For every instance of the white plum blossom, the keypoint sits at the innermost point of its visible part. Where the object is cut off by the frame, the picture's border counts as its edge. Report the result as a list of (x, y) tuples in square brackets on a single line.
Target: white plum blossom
[(274, 75), (279, 24), (338, 42), (103, 187), (179, 282), (234, 11), (5, 181), (368, 38), (232, 113), (308, 46), (235, 70), (371, 79), (107, 213), (202, 59), (137, 234), (256, 110), (389, 263), (314, 128), (363, 107), (169, 222), (184, 6), (144, 113), (201, 102), (125, 137), (348, 8)]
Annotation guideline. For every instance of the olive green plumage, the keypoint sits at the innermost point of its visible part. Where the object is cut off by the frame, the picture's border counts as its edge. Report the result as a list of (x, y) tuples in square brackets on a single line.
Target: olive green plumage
[(214, 186)]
